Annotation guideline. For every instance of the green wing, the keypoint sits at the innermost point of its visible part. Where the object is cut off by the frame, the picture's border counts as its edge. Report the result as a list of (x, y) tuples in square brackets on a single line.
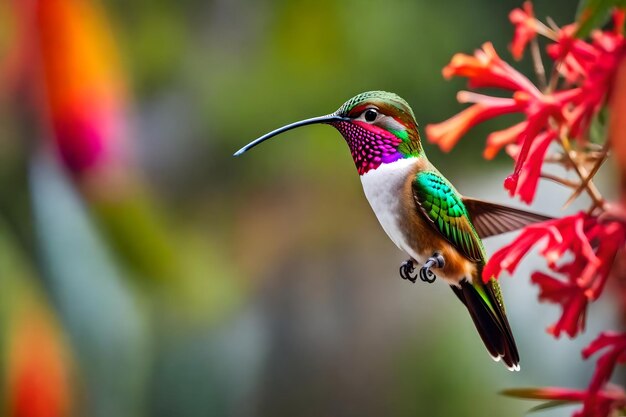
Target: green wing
[(443, 206)]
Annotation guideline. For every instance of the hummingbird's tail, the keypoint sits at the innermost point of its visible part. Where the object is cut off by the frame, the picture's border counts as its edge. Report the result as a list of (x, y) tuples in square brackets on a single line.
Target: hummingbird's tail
[(484, 303)]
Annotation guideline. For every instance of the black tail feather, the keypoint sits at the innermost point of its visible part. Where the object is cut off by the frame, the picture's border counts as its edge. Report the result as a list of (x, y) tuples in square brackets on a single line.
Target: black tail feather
[(492, 324), (511, 347)]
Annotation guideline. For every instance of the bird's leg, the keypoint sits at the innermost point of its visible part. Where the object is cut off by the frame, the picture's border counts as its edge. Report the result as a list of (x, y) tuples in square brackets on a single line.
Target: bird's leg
[(435, 261), (407, 268)]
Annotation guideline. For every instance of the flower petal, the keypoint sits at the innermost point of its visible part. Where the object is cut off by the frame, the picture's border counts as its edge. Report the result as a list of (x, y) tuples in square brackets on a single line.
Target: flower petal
[(525, 29)]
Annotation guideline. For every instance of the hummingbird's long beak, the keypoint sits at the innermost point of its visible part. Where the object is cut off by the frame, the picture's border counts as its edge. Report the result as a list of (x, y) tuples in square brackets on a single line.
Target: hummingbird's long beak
[(314, 120)]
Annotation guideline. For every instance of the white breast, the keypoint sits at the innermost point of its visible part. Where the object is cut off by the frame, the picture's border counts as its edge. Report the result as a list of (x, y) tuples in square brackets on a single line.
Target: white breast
[(383, 189)]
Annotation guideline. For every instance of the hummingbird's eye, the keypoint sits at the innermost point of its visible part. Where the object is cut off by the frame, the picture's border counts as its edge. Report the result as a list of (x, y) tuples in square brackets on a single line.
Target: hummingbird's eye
[(370, 115)]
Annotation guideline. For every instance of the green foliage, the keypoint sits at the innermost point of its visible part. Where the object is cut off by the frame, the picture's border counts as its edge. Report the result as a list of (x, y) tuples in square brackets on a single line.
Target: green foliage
[(593, 13)]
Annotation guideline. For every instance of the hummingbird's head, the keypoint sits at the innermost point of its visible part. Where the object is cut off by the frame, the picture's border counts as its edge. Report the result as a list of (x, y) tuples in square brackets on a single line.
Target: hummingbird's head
[(379, 127)]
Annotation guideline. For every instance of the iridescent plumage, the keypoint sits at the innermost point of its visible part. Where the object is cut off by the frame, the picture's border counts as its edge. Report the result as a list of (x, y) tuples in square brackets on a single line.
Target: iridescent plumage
[(421, 211), (444, 207)]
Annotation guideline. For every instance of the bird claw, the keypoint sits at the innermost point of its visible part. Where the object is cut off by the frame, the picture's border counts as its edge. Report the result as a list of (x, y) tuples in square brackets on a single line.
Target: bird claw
[(435, 261), (427, 275), (406, 269)]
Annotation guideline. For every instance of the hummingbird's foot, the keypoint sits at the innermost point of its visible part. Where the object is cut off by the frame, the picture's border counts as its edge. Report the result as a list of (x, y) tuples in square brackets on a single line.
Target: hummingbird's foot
[(435, 261), (406, 269)]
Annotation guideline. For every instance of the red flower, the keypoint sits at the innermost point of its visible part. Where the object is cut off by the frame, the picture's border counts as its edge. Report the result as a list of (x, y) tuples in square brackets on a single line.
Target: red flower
[(600, 399), (573, 53), (587, 67), (539, 110), (580, 249), (572, 299), (530, 170), (608, 400), (590, 65), (614, 347), (593, 245), (448, 133), (486, 69), (525, 29)]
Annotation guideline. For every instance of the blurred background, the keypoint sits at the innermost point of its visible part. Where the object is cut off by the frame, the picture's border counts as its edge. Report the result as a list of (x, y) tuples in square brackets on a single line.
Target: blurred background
[(146, 272)]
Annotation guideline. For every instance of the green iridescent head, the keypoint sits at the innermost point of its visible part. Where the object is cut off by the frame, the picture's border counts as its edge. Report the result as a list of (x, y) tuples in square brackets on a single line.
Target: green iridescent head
[(378, 126)]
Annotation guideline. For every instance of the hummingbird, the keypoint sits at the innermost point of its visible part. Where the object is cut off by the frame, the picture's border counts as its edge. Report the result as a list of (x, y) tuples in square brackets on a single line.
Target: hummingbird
[(422, 212)]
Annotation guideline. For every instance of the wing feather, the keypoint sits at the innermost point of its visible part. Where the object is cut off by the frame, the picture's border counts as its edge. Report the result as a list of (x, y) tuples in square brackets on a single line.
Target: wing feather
[(490, 219), (442, 205)]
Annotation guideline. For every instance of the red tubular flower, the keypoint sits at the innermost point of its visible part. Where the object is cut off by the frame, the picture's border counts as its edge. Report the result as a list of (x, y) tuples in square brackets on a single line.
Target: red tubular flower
[(600, 399), (593, 245), (579, 250), (588, 68), (573, 53), (508, 257), (525, 29), (607, 401), (539, 111), (614, 347), (530, 169), (448, 133), (572, 299), (591, 65), (609, 49), (486, 69), (538, 107)]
